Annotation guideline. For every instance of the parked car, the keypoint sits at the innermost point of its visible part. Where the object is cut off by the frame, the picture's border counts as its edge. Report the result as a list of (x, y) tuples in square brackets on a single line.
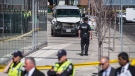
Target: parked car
[(92, 22), (123, 17)]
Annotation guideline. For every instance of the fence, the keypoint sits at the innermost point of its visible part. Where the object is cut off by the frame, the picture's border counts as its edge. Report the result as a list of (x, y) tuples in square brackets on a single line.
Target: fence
[(23, 26)]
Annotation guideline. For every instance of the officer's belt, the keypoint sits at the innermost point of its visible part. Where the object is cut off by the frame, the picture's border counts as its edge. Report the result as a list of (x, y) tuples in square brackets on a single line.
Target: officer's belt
[(84, 33)]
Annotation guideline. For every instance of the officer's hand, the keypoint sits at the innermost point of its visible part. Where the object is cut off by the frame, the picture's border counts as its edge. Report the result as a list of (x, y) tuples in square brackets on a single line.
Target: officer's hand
[(12, 60), (91, 38), (79, 37), (52, 70)]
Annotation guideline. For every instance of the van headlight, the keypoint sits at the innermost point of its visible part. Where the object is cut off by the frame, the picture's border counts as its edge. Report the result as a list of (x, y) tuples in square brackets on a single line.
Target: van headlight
[(58, 24), (77, 25)]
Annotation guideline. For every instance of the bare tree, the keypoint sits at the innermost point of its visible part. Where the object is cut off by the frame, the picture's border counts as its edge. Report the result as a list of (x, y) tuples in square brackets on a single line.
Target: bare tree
[(104, 17)]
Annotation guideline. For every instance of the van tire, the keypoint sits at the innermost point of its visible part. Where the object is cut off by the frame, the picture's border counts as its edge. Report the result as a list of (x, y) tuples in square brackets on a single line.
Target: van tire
[(53, 33)]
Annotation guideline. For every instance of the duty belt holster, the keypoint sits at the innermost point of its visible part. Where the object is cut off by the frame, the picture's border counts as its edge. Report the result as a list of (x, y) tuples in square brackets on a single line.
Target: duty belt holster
[(85, 35)]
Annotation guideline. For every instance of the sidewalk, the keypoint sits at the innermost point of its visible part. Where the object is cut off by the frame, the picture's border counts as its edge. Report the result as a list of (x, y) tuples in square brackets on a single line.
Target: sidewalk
[(47, 55)]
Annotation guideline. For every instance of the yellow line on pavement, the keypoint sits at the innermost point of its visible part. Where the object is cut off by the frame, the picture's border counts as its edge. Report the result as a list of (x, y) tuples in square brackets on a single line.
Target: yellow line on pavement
[(49, 13), (1, 70), (75, 65)]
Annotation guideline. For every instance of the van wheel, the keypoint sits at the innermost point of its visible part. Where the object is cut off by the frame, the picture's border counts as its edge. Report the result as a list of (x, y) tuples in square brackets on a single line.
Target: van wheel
[(124, 21), (54, 34), (51, 32)]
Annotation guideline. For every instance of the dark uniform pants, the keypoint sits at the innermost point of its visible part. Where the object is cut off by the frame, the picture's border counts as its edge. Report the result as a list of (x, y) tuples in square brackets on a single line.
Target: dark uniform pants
[(85, 43)]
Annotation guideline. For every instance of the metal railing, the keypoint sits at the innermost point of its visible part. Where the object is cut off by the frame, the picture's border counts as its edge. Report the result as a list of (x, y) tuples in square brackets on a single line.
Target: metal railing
[(22, 27)]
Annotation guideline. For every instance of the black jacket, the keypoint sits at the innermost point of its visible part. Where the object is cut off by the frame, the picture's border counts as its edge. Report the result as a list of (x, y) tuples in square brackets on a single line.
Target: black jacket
[(112, 72), (84, 28), (35, 73), (130, 68)]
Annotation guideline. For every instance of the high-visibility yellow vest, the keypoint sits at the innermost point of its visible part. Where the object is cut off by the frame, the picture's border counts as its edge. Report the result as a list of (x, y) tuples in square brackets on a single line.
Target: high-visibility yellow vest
[(15, 71), (27, 14), (63, 67)]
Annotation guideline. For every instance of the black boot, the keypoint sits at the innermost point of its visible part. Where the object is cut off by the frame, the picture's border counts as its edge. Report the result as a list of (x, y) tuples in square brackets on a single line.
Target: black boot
[(86, 54), (81, 53)]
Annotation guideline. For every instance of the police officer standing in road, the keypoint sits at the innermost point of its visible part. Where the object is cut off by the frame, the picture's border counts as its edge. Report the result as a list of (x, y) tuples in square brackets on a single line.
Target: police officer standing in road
[(14, 67), (84, 33), (63, 67)]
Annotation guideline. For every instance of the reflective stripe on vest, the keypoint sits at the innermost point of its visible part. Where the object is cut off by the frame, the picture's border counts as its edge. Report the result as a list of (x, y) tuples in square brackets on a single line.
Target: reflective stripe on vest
[(27, 14), (15, 71), (63, 67), (56, 66)]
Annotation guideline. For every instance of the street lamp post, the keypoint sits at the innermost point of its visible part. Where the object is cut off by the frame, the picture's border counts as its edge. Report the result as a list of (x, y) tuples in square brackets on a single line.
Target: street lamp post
[(3, 18)]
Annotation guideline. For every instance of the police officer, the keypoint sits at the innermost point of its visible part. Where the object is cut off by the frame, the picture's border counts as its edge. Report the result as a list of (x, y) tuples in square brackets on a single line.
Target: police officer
[(63, 67), (27, 17), (84, 33), (14, 67)]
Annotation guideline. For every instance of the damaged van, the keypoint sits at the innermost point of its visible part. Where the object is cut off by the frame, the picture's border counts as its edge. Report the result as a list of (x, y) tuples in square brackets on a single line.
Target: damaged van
[(66, 20)]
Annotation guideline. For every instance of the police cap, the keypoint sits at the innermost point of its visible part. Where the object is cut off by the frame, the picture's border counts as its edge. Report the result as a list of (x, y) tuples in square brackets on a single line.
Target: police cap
[(61, 53), (85, 18), (17, 53)]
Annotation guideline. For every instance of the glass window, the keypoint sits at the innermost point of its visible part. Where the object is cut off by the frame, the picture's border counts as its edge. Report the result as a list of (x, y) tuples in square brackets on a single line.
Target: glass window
[(68, 13)]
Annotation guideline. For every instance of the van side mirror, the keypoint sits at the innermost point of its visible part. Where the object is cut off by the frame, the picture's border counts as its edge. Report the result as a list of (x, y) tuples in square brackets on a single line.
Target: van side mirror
[(53, 14)]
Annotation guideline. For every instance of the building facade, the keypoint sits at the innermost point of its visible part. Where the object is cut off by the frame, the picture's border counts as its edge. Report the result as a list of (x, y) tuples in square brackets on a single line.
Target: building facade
[(82, 2)]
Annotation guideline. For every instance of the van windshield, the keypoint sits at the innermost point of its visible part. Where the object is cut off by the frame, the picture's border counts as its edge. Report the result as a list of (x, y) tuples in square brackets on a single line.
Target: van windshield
[(68, 13)]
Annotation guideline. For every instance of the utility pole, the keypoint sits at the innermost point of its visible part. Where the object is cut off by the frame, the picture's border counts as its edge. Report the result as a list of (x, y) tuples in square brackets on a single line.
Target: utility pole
[(121, 27), (3, 18), (34, 23)]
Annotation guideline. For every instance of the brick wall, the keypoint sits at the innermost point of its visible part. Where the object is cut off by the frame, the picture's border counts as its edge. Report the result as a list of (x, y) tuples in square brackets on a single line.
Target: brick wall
[(83, 2)]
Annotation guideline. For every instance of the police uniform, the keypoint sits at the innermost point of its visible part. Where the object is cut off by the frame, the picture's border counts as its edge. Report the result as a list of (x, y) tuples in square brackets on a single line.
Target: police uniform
[(65, 68), (16, 69), (84, 34), (27, 16)]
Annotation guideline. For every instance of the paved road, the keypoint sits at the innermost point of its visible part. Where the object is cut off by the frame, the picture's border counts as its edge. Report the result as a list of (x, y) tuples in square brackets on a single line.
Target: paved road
[(128, 30), (47, 55)]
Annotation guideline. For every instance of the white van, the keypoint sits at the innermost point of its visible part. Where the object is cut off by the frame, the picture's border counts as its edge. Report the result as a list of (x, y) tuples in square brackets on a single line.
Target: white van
[(130, 14), (66, 20)]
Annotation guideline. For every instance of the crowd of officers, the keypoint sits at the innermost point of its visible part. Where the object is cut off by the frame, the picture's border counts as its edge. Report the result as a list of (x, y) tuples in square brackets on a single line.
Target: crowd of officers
[(64, 67), (16, 68)]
